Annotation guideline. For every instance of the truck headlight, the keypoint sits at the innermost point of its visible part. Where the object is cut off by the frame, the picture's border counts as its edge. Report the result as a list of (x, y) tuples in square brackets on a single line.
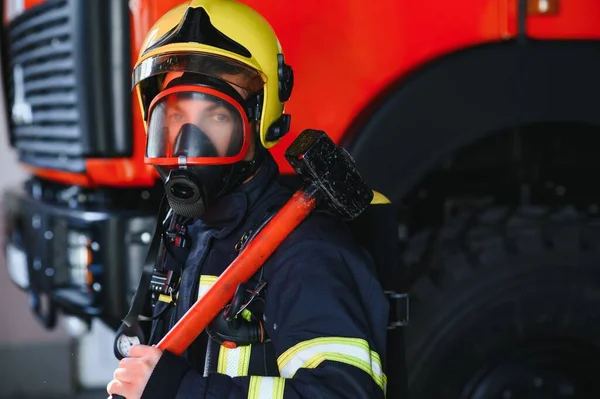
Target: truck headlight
[(80, 257)]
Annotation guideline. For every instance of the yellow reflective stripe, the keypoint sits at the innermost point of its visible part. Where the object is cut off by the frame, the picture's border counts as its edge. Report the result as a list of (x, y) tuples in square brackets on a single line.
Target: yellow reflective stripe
[(299, 347), (206, 281), (222, 361), (352, 351), (377, 361), (278, 387), (244, 363), (266, 388), (254, 387), (234, 362)]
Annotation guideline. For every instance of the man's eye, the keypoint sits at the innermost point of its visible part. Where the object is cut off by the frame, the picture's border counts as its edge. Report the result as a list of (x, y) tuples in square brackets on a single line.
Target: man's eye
[(176, 117), (221, 117)]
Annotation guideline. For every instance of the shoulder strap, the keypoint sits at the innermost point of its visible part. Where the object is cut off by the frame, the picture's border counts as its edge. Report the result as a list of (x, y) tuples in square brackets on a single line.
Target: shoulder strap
[(253, 231), (141, 298)]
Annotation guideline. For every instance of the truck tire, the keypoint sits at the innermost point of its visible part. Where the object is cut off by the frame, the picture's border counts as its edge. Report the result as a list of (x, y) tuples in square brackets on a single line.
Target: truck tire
[(506, 306)]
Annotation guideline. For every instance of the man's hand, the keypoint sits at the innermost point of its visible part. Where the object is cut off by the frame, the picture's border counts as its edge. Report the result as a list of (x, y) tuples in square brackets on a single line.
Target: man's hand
[(133, 373)]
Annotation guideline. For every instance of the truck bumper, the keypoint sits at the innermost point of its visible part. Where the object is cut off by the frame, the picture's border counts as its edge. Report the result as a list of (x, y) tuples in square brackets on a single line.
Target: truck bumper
[(84, 262)]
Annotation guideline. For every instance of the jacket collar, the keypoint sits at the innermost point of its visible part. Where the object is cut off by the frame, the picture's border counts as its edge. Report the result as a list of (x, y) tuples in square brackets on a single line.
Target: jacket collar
[(225, 215)]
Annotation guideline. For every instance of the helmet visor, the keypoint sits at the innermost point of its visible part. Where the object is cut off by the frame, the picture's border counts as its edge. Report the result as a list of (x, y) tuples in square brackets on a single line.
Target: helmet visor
[(194, 125), (150, 73)]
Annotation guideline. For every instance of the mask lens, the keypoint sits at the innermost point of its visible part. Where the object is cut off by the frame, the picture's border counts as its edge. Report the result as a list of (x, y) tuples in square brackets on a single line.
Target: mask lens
[(197, 126)]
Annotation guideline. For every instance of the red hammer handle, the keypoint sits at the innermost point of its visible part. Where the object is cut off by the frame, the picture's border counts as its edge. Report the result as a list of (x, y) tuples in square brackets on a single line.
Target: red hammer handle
[(241, 270)]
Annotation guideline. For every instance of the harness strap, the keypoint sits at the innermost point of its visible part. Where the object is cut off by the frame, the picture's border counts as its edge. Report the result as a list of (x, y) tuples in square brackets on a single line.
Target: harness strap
[(141, 298)]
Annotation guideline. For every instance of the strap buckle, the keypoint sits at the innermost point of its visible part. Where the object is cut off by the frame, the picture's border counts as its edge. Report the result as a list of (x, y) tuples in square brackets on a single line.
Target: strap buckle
[(253, 232), (164, 283), (178, 236), (242, 298), (252, 295), (399, 309)]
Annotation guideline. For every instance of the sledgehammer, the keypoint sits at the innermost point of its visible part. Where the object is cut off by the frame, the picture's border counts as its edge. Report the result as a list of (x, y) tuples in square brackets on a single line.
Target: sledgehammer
[(330, 180)]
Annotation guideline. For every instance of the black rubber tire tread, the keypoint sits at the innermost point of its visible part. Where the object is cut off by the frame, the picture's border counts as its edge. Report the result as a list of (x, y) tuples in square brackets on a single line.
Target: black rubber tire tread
[(492, 259)]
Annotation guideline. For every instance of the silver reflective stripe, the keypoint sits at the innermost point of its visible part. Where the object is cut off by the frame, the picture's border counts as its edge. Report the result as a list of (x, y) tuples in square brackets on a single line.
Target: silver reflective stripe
[(266, 388), (206, 282), (203, 285), (234, 362), (352, 351)]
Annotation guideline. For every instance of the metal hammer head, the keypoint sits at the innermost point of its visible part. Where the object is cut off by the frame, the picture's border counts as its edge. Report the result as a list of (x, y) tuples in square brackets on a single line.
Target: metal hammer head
[(329, 167)]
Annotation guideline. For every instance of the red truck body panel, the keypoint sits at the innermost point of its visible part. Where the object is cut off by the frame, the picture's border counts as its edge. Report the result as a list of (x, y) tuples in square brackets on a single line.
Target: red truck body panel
[(346, 54), (569, 20)]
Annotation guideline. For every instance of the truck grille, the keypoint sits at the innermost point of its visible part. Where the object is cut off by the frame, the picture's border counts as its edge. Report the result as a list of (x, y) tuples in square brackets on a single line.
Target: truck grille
[(46, 129), (67, 72)]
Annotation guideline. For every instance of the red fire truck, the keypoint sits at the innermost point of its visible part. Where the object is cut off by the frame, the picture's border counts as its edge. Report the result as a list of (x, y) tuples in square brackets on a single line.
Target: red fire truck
[(476, 118)]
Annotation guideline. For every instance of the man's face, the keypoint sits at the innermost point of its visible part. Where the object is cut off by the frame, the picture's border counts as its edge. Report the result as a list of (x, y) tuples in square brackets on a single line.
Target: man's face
[(213, 118), (216, 120)]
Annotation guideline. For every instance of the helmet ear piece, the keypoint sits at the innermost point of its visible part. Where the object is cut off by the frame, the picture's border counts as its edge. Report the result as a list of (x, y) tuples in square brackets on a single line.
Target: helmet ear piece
[(279, 128), (285, 75)]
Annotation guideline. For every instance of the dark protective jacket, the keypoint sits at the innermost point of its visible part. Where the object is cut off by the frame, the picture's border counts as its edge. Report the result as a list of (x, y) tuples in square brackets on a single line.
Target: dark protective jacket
[(323, 310)]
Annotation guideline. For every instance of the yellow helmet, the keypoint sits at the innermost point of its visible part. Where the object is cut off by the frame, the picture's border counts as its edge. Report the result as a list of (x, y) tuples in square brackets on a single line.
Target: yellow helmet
[(212, 36)]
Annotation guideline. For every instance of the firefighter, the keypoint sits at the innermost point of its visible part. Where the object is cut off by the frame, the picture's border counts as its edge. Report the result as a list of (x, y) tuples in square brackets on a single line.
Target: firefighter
[(212, 82)]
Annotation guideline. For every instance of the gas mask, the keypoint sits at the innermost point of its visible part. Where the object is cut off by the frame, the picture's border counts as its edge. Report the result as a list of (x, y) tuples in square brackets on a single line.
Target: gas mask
[(198, 137)]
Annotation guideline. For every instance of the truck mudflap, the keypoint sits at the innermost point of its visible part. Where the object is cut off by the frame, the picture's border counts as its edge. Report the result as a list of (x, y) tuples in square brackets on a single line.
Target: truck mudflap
[(80, 260)]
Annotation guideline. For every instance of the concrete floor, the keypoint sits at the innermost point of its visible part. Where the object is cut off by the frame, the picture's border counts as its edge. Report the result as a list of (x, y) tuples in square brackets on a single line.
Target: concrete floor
[(99, 394)]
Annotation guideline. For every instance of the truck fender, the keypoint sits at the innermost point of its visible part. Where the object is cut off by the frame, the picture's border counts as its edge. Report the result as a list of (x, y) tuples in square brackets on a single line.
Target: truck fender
[(468, 95)]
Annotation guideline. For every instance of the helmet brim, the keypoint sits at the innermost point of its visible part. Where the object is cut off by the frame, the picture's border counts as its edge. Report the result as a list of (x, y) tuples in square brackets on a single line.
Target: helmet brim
[(147, 76)]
